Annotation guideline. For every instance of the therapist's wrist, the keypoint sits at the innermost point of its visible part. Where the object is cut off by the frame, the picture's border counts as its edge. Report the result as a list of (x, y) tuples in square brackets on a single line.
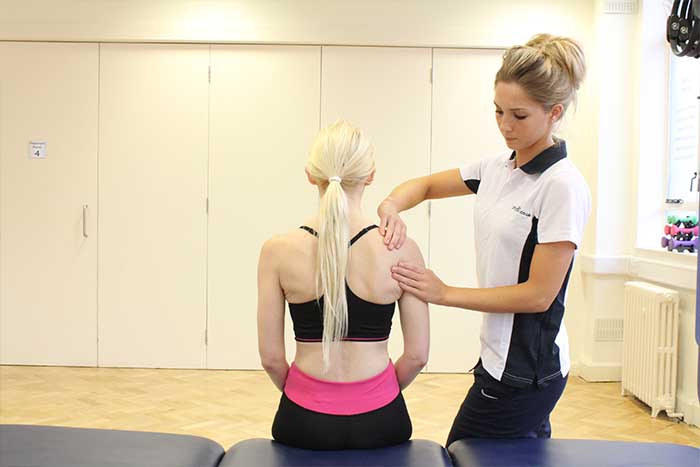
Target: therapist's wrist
[(388, 206), (448, 296)]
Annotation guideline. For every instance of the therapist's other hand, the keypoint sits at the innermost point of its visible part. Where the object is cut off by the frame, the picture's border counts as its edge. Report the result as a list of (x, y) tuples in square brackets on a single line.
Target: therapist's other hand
[(420, 282), (391, 227)]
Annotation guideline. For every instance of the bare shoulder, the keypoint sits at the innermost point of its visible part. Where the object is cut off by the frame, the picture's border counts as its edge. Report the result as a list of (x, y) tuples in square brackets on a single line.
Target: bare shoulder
[(289, 244), (279, 243), (273, 244), (410, 252), (270, 251)]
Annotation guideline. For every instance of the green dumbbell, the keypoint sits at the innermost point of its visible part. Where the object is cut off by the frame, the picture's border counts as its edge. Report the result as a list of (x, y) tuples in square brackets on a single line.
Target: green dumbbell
[(676, 219)]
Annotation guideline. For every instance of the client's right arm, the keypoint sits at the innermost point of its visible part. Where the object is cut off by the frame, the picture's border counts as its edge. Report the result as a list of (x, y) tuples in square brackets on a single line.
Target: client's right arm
[(271, 315), (415, 326)]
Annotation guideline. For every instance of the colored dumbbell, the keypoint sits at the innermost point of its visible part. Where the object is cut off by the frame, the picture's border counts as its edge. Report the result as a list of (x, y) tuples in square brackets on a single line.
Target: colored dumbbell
[(672, 229), (688, 221), (671, 244)]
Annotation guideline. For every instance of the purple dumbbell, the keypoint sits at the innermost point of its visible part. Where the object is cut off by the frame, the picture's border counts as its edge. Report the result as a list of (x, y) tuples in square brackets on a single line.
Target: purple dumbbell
[(681, 245), (664, 242)]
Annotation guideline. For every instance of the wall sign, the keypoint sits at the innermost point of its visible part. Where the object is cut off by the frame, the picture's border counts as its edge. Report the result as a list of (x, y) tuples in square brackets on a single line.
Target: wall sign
[(37, 149)]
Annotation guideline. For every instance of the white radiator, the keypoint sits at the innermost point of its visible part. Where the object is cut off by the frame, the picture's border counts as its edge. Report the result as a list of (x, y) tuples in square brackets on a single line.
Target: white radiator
[(650, 346)]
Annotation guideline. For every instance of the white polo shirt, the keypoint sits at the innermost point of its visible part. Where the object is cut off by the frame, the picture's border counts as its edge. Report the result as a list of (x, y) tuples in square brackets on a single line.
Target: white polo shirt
[(546, 200)]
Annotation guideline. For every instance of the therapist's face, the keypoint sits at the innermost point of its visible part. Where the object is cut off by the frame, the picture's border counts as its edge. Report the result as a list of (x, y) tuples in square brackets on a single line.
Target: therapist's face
[(523, 121)]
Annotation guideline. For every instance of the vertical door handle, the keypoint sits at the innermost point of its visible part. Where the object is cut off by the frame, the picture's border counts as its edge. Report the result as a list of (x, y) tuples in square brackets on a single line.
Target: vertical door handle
[(85, 207)]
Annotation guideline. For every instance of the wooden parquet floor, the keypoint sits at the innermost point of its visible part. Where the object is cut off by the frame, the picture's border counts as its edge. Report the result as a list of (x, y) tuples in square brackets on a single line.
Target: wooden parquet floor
[(230, 406)]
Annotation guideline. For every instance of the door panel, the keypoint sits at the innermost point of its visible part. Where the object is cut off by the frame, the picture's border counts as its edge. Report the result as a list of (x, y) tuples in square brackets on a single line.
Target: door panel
[(464, 131), (385, 92), (48, 267), (264, 117), (153, 189)]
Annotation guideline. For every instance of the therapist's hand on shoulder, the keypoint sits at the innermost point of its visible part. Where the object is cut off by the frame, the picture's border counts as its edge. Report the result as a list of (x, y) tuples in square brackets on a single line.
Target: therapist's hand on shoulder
[(420, 282), (391, 227)]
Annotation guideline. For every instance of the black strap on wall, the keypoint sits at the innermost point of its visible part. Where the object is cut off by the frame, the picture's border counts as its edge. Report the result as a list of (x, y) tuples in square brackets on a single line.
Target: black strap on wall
[(683, 28)]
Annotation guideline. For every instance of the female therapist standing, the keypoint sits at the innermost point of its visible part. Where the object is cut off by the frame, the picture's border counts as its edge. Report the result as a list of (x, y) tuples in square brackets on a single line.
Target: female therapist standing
[(531, 208)]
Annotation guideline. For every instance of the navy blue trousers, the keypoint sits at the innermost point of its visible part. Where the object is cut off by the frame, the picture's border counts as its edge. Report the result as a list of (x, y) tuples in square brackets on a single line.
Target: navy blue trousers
[(495, 410)]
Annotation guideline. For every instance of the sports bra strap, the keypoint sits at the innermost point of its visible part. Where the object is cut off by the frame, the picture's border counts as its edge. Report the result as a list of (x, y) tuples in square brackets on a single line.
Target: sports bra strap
[(354, 239), (361, 233), (310, 230)]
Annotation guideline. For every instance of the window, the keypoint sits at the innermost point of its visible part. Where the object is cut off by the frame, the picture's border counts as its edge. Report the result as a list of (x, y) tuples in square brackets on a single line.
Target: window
[(667, 137), (684, 89), (683, 147)]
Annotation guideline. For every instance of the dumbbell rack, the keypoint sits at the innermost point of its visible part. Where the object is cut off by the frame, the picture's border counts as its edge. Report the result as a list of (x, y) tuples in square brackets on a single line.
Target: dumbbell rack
[(681, 234)]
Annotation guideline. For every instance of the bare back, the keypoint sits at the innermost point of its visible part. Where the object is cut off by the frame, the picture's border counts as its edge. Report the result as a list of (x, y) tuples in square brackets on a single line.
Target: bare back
[(368, 276)]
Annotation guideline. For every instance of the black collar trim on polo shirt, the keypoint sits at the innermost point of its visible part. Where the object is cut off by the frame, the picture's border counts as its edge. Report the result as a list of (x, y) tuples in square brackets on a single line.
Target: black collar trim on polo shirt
[(545, 159)]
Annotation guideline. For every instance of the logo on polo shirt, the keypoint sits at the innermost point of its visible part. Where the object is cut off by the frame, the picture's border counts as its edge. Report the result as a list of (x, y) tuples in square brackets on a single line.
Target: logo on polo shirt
[(519, 210)]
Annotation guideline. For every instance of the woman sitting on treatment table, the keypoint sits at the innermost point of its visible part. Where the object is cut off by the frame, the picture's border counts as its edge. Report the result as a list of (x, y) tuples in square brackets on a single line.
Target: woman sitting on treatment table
[(342, 391)]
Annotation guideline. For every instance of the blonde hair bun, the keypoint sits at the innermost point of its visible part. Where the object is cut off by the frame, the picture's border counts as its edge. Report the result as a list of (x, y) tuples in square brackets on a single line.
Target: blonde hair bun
[(549, 68)]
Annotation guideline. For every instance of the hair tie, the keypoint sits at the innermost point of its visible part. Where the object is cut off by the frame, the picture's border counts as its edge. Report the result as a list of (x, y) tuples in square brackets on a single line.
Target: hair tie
[(335, 178)]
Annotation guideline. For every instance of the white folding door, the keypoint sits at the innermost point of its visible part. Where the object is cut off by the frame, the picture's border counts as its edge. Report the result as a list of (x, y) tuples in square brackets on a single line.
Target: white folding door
[(153, 190), (264, 117), (165, 285), (386, 92), (48, 203), (464, 131)]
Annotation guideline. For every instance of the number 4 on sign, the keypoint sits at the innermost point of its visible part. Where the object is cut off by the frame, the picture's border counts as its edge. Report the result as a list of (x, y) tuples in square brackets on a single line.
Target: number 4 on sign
[(37, 150)]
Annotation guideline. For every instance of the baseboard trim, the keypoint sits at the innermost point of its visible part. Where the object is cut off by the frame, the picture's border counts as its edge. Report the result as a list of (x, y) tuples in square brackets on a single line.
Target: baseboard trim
[(598, 373), (690, 409)]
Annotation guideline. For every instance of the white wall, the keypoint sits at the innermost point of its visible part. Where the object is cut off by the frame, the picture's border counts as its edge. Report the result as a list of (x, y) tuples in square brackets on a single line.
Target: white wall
[(445, 23)]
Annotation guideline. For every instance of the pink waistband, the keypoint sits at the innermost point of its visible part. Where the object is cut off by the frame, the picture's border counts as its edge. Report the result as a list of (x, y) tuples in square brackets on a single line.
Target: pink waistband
[(340, 398)]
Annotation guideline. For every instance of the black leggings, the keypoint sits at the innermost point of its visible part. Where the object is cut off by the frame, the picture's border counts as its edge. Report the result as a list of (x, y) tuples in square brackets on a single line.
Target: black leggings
[(302, 428)]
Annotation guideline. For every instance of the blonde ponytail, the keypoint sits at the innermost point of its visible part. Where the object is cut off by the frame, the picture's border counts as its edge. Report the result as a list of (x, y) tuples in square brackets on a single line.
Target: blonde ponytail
[(341, 151), (332, 262)]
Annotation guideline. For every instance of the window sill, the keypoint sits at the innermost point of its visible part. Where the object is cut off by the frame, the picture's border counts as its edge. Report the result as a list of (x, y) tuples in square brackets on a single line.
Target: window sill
[(665, 267)]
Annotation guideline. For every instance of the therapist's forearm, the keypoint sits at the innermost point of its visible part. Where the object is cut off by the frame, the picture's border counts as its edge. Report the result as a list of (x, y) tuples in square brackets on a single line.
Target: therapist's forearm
[(409, 194), (520, 298)]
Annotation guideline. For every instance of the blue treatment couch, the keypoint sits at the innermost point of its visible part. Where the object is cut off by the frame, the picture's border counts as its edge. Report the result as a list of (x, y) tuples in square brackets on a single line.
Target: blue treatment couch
[(44, 446), (266, 453), (50, 446), (570, 453)]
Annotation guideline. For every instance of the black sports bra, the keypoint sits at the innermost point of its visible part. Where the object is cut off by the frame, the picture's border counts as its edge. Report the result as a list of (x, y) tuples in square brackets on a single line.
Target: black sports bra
[(367, 321)]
